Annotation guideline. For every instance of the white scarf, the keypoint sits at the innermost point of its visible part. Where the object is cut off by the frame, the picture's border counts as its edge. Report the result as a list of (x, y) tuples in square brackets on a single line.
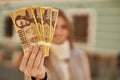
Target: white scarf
[(61, 52)]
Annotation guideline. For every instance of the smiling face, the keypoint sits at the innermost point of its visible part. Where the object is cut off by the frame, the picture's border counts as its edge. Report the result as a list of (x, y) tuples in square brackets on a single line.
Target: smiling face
[(61, 31)]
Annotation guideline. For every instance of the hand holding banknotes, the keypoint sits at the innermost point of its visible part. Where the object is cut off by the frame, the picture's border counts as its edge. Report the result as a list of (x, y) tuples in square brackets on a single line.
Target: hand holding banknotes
[(33, 62), (35, 25)]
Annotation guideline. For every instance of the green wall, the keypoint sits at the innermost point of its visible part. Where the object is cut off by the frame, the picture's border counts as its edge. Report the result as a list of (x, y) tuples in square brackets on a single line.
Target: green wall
[(107, 20)]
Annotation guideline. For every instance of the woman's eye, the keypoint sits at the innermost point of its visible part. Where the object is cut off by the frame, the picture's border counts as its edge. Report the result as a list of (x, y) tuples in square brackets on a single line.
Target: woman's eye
[(64, 27)]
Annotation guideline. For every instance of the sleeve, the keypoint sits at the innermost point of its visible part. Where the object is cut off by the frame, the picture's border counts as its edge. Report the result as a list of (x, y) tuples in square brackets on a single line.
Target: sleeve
[(85, 66)]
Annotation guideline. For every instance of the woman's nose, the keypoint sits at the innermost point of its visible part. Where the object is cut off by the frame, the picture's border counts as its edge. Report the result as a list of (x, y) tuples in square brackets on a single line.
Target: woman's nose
[(57, 31)]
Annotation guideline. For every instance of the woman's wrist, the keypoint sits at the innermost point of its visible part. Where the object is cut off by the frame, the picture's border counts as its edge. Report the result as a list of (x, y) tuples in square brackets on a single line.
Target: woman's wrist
[(42, 75), (44, 78)]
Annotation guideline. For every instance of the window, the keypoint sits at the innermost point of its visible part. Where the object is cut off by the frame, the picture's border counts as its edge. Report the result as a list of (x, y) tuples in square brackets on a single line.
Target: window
[(80, 24), (83, 21)]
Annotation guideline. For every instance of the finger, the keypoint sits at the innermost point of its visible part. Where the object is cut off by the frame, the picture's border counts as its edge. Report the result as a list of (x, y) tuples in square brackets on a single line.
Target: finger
[(42, 60), (38, 66), (38, 59), (25, 58), (32, 59), (41, 66)]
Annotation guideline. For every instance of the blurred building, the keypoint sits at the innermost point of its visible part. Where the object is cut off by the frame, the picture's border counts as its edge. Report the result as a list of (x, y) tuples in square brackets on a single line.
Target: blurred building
[(104, 17)]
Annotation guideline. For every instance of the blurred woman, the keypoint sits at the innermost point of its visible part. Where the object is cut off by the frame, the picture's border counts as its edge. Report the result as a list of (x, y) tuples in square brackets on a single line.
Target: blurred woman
[(64, 61)]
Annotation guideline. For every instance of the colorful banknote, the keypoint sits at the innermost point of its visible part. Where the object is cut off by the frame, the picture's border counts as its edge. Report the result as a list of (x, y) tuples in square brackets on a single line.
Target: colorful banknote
[(25, 25), (35, 25)]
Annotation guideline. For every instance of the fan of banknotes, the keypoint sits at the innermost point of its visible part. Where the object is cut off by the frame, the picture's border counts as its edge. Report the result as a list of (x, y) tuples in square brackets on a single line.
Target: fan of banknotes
[(35, 25)]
